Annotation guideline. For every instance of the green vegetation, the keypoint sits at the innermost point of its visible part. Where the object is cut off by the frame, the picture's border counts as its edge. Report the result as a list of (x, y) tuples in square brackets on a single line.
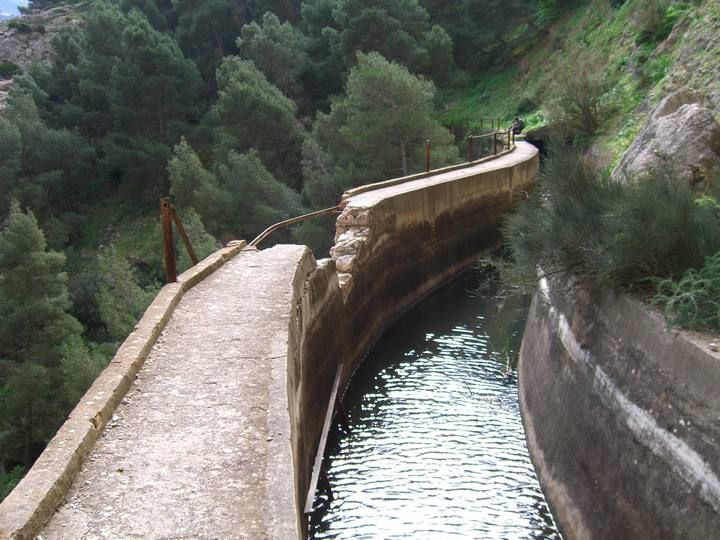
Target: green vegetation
[(693, 301), (620, 235), (40, 340), (21, 27), (379, 128), (9, 70)]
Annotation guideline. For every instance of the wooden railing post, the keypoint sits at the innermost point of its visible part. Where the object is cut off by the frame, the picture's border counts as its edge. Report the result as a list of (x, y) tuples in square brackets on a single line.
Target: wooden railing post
[(495, 143), (168, 243), (427, 155), (470, 148)]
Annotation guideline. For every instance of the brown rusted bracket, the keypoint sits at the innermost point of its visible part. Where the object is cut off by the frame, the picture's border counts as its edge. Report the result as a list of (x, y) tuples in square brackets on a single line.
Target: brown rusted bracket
[(168, 243), (184, 236), (168, 216)]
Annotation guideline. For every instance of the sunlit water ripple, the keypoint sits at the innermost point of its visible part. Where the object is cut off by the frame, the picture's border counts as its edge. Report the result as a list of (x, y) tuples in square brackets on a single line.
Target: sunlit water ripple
[(435, 447)]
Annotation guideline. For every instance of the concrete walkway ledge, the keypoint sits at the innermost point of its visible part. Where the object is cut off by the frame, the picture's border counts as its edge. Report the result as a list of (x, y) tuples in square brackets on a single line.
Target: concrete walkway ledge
[(30, 505)]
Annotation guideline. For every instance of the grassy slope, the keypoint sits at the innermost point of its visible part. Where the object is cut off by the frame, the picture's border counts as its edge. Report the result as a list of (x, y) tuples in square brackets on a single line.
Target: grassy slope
[(640, 75)]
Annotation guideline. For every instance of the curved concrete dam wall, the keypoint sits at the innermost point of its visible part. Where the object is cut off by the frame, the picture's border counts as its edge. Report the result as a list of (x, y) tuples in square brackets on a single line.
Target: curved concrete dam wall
[(394, 245), (621, 416)]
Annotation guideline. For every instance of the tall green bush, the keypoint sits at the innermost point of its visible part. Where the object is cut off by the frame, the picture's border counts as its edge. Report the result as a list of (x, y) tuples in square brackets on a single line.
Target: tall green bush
[(614, 234), (694, 300)]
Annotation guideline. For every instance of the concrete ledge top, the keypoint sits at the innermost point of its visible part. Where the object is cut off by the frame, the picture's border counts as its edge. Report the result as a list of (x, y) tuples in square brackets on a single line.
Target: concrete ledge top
[(523, 152)]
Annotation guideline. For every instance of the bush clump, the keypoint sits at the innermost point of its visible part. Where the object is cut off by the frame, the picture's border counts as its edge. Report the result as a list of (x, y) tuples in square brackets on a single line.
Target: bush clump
[(617, 235), (8, 70), (655, 19), (694, 300), (22, 27), (580, 96)]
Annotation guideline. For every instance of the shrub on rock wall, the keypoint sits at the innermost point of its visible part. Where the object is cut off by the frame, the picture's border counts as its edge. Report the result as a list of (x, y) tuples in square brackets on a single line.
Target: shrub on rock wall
[(614, 234), (8, 70), (694, 300)]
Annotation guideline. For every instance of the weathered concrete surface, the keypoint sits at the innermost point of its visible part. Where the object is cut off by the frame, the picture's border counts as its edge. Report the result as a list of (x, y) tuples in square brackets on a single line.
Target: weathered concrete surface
[(200, 446), (621, 417)]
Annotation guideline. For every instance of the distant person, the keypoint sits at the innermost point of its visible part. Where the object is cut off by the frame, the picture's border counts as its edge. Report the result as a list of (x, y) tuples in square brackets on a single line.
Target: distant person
[(517, 126)]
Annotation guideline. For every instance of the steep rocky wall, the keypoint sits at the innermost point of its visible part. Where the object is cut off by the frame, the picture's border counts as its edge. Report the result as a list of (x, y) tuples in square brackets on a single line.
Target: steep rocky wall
[(31, 41), (394, 246), (620, 416)]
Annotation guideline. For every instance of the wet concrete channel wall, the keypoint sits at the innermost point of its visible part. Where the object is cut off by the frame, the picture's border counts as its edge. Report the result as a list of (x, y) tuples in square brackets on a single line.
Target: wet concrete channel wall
[(621, 416), (394, 245)]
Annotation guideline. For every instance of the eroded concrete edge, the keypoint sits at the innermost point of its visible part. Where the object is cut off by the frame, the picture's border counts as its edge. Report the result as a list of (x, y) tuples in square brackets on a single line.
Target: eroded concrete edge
[(28, 507)]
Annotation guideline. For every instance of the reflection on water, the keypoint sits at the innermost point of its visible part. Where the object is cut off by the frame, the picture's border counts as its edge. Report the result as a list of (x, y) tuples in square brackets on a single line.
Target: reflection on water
[(435, 446)]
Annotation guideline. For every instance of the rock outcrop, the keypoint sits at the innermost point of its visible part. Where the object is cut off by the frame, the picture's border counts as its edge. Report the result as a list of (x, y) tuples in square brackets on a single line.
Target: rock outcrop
[(27, 39), (681, 137)]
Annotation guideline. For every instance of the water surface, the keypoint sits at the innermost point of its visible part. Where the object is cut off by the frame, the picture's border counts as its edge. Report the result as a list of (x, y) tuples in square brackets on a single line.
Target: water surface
[(435, 446)]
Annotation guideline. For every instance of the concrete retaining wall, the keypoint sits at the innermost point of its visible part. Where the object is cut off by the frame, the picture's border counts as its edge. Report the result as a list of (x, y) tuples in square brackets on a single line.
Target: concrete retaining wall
[(393, 247), (621, 416)]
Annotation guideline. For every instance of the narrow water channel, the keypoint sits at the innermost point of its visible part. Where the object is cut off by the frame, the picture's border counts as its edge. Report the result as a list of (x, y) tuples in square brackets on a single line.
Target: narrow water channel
[(435, 448)]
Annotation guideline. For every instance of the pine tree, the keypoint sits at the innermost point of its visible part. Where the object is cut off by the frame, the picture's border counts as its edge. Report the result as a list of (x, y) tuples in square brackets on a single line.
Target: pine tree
[(207, 30), (378, 130), (251, 113), (237, 199), (40, 166), (400, 30), (35, 331), (277, 49), (130, 91)]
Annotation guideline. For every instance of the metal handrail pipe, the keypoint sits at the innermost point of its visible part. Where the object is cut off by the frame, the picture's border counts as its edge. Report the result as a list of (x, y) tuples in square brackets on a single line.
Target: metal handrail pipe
[(292, 221)]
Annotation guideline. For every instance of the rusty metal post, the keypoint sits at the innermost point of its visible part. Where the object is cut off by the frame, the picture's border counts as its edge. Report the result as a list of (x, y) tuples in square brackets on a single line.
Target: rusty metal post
[(470, 148), (427, 155), (184, 235), (168, 244)]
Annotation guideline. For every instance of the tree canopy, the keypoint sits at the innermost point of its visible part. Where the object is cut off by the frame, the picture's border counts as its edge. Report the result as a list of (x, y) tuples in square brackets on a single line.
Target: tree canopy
[(379, 128)]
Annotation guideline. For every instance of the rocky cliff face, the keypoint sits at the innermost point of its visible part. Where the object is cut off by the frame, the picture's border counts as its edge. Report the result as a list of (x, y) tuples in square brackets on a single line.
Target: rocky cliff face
[(680, 137), (26, 39)]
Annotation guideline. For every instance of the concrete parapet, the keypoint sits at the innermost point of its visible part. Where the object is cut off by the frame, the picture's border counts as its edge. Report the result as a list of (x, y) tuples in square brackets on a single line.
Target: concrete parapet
[(620, 415)]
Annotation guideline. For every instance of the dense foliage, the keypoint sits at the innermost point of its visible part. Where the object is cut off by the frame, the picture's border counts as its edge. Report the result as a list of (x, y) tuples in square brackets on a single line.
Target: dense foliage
[(621, 235)]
